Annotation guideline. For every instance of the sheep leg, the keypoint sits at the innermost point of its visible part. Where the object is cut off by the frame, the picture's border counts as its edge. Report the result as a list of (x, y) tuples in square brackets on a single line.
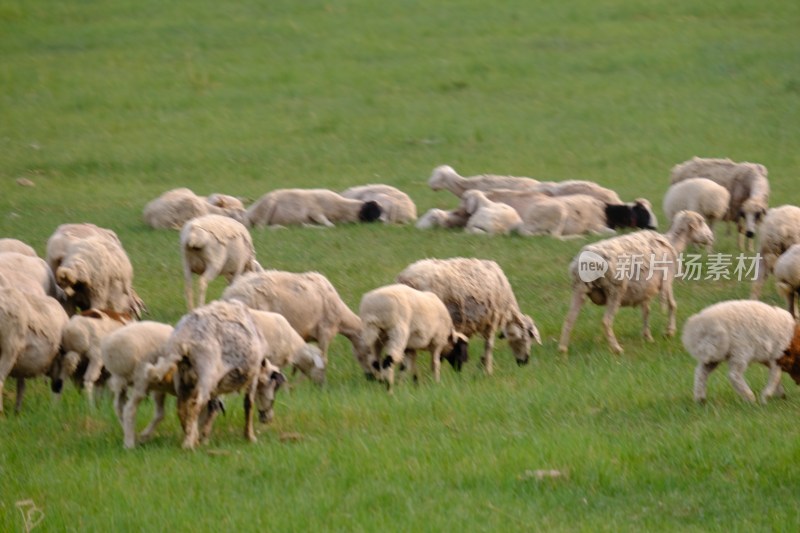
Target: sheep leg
[(436, 364), (736, 377), (646, 322), (398, 339), (321, 219), (486, 358), (411, 357), (159, 399), (701, 373), (791, 302), (207, 417), (188, 290), (578, 296), (20, 394), (92, 374), (612, 306), (672, 310), (773, 382), (189, 406), (129, 417), (761, 278), (249, 400)]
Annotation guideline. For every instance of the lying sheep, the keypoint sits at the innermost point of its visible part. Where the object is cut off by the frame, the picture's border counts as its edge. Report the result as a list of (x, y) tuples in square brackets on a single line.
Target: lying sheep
[(445, 177), (569, 187), (175, 207), (480, 301), (439, 218), (16, 245), (30, 335), (287, 347), (787, 276), (779, 231), (66, 234), (401, 320), (82, 357), (308, 301), (701, 195), (739, 332), (746, 182), (635, 267), (218, 349), (214, 245), (396, 206), (488, 217), (323, 207), (127, 354), (30, 274)]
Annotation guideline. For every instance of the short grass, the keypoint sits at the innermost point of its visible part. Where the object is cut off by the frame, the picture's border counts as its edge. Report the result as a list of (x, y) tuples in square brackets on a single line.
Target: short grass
[(105, 105)]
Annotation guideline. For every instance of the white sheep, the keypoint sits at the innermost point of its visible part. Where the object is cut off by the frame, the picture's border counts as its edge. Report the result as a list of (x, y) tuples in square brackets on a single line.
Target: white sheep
[(399, 320), (396, 206), (629, 270), (308, 301), (175, 207), (30, 336), (81, 356), (787, 276), (211, 246), (323, 207), (218, 349), (29, 274), (127, 354), (66, 234), (739, 332), (488, 217), (746, 182), (480, 301), (701, 195), (287, 348), (18, 246), (569, 187), (439, 218), (779, 231), (445, 177)]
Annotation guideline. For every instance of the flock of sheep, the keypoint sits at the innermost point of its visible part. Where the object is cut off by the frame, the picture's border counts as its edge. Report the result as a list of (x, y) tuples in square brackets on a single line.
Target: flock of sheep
[(75, 314)]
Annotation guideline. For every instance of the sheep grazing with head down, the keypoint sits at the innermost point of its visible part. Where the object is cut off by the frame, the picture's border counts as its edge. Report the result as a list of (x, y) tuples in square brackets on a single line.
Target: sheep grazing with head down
[(739, 332), (396, 206), (175, 207), (488, 217), (445, 177), (635, 267), (480, 301), (787, 277), (283, 207), (746, 182), (701, 195), (400, 320), (211, 246), (16, 245), (779, 231)]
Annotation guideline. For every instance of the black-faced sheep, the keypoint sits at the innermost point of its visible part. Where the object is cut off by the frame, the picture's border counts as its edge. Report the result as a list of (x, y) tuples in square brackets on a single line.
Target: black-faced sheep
[(629, 270), (323, 207), (308, 301), (174, 208), (739, 332), (779, 231), (400, 320), (214, 245), (396, 206), (480, 301), (445, 177)]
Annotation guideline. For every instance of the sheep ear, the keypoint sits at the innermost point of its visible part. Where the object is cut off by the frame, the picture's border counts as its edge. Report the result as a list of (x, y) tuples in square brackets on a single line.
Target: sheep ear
[(278, 378)]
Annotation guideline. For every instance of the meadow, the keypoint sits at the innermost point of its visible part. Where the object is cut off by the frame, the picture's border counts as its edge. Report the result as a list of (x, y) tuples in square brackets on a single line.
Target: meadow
[(106, 104)]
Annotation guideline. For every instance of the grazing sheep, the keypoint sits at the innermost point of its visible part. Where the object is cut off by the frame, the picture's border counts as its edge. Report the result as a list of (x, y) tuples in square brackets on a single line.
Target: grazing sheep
[(402, 320), (308, 301), (480, 301), (29, 274), (30, 335), (95, 272), (787, 276), (66, 234), (589, 188), (175, 207), (746, 182), (739, 332), (15, 245), (701, 195), (779, 231), (127, 353), (629, 270), (445, 177), (486, 216), (214, 245), (80, 346), (439, 218), (396, 206), (287, 347), (309, 206), (218, 349)]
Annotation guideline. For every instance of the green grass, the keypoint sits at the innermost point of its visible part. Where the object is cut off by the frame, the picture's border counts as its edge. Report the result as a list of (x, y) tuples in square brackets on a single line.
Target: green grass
[(105, 105)]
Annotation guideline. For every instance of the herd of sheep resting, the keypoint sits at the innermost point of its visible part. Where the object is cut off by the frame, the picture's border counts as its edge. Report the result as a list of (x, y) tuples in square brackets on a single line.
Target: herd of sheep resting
[(75, 315)]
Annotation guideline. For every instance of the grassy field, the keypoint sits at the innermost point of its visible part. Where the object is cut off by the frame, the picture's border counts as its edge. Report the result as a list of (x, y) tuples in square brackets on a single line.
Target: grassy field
[(105, 105)]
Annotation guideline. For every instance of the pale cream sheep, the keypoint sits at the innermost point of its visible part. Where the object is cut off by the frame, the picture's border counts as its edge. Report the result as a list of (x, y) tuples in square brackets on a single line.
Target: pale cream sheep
[(396, 206), (309, 302), (400, 320), (323, 207), (445, 177), (29, 274), (66, 234), (589, 188), (787, 276), (480, 301), (175, 207), (18, 246), (212, 246), (488, 217), (30, 336), (779, 231), (439, 218), (746, 182), (701, 195), (740, 332), (629, 270)]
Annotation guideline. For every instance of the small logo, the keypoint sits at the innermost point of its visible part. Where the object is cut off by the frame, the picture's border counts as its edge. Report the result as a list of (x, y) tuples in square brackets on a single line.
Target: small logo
[(591, 266)]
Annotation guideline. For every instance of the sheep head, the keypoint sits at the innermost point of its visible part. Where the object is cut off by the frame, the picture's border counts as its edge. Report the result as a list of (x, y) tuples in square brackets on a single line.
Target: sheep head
[(644, 215), (270, 380), (752, 213), (521, 332), (439, 177), (459, 353), (790, 361), (370, 211)]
